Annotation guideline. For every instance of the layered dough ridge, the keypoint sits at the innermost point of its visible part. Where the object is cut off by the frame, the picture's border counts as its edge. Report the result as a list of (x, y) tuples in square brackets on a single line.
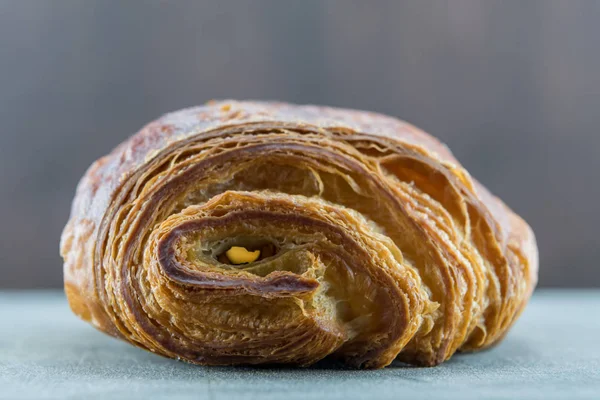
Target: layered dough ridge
[(359, 237)]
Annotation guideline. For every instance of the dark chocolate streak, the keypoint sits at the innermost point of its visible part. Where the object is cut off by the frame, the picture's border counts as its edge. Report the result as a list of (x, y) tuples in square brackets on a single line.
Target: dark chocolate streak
[(288, 283)]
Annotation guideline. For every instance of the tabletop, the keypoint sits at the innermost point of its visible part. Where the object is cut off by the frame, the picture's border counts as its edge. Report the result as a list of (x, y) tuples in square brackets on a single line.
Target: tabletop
[(553, 352)]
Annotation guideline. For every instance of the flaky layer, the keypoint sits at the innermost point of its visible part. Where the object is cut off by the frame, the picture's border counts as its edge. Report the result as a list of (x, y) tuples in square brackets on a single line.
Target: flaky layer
[(381, 245)]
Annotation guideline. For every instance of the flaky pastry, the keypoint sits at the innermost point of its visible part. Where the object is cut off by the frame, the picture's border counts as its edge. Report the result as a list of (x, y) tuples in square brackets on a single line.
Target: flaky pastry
[(254, 232)]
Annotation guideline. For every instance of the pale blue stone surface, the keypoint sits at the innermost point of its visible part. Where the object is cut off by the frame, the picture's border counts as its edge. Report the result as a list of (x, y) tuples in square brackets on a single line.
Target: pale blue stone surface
[(553, 352)]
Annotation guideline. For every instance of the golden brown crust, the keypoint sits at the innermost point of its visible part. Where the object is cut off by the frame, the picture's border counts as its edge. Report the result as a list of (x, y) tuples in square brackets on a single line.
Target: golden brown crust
[(386, 247)]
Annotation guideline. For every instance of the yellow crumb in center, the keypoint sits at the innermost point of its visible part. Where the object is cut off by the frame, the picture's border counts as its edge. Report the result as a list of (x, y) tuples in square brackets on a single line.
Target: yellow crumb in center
[(239, 255)]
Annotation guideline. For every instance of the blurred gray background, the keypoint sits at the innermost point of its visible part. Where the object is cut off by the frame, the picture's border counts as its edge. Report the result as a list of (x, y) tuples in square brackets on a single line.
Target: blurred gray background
[(513, 87)]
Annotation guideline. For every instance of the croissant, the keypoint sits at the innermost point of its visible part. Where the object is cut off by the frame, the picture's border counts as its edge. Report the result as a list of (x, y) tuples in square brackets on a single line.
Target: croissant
[(256, 232)]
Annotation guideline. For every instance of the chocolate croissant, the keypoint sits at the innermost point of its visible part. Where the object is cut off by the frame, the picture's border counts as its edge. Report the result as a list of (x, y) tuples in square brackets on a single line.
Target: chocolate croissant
[(249, 232)]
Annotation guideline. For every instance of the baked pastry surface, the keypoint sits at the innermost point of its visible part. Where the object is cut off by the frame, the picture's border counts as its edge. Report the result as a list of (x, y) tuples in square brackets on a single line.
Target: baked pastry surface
[(254, 232)]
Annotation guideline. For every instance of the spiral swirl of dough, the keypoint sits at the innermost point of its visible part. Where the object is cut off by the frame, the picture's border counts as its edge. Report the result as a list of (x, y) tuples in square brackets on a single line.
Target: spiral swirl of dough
[(375, 243)]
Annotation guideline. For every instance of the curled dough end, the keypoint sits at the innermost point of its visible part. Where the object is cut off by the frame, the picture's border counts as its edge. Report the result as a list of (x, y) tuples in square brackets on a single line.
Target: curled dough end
[(248, 233)]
